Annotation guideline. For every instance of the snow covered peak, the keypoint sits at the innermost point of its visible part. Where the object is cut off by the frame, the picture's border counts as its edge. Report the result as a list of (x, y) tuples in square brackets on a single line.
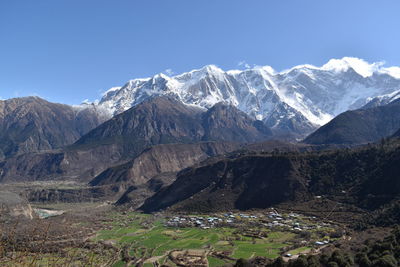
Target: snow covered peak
[(299, 99), (267, 69), (299, 67), (208, 69), (111, 90), (383, 99), (360, 66), (211, 69), (161, 76)]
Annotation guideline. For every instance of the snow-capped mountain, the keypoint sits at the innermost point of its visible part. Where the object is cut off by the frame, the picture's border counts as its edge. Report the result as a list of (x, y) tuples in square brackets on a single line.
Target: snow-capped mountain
[(297, 100), (382, 99)]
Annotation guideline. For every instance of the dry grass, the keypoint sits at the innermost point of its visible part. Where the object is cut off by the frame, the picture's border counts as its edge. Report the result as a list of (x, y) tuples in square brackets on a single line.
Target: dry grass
[(58, 241)]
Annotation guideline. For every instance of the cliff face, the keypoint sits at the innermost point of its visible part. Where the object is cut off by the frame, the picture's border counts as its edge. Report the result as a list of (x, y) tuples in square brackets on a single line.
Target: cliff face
[(155, 168), (161, 159)]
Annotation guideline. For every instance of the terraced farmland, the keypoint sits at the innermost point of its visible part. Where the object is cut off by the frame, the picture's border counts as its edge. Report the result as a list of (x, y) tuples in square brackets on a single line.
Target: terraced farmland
[(147, 238)]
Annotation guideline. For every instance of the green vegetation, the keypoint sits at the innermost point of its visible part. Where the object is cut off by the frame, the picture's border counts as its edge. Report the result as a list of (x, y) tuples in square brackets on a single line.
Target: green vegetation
[(129, 238), (299, 250), (214, 262), (147, 237), (374, 253), (119, 264)]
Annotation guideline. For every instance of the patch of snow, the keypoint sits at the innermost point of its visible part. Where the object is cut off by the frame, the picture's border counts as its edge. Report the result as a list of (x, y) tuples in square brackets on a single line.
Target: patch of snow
[(112, 89)]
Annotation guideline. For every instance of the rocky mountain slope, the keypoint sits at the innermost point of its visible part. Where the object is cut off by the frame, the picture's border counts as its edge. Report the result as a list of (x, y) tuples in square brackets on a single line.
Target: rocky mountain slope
[(247, 182), (360, 126), (33, 124), (154, 168), (161, 159), (365, 178), (295, 101), (148, 173), (158, 120), (163, 120), (66, 164)]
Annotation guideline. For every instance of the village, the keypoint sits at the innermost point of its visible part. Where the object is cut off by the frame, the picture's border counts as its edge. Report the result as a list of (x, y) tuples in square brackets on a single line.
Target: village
[(219, 238), (257, 224), (270, 219)]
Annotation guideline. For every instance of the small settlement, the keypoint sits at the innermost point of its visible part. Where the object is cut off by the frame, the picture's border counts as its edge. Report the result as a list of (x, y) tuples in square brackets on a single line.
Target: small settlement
[(271, 219)]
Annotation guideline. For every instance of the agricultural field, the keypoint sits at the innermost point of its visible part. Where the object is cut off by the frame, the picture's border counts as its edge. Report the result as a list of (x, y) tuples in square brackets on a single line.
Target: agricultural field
[(149, 239), (97, 234)]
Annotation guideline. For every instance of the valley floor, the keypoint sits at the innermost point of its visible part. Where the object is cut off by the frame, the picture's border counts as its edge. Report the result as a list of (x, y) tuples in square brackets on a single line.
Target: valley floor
[(97, 234)]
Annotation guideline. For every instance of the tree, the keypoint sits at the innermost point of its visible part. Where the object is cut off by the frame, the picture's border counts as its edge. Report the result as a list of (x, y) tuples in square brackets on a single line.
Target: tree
[(243, 263), (363, 260), (279, 262), (385, 261)]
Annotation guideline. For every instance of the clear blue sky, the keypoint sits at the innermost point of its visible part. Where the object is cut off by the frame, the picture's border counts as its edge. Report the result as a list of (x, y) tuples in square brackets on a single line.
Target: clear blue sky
[(70, 50)]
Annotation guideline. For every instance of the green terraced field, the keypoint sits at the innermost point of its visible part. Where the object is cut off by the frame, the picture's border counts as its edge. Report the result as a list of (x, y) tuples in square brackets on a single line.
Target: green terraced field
[(154, 239), (298, 250)]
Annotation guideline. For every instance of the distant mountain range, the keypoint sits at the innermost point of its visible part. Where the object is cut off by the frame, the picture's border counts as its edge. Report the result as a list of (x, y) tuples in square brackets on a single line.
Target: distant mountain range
[(290, 104), (296, 101)]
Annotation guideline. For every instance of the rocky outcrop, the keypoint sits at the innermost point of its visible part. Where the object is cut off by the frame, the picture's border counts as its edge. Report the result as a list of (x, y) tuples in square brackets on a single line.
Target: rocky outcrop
[(135, 195), (161, 159), (155, 168)]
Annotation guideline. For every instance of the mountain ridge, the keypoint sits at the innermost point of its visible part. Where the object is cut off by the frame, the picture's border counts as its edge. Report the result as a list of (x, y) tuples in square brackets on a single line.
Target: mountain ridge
[(297, 100), (33, 124), (364, 177), (361, 126), (164, 119), (158, 120)]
